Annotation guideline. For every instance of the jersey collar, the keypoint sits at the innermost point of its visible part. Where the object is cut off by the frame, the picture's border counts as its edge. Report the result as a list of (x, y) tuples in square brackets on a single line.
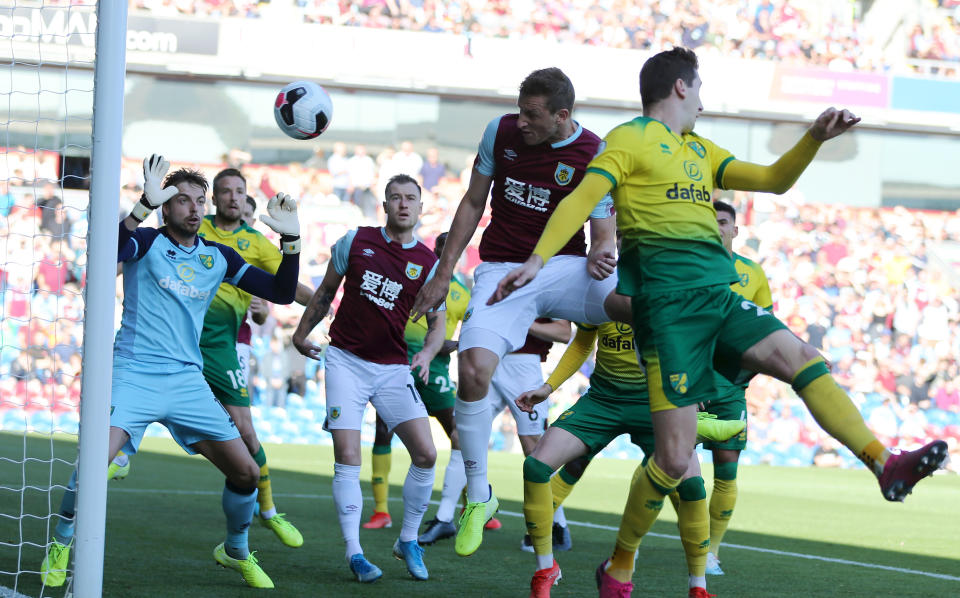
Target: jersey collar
[(570, 139), (410, 245)]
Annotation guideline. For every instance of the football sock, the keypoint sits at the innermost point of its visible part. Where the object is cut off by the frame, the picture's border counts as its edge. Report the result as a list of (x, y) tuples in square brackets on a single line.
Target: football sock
[(238, 507), (380, 479), (559, 517), (454, 480), (417, 489), (694, 524), (643, 506), (538, 506), (561, 485), (473, 428), (121, 459), (65, 526), (264, 491), (837, 414), (722, 501), (349, 502)]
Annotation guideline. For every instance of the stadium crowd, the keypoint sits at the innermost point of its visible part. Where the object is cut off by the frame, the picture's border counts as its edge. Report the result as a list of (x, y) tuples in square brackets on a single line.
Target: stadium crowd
[(800, 32), (863, 285)]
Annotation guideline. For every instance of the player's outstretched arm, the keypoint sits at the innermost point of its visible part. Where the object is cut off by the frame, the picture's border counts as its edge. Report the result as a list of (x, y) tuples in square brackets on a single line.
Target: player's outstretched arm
[(565, 221), (432, 343), (602, 257), (282, 286), (557, 331), (576, 353), (465, 223), (317, 309), (154, 169), (780, 176)]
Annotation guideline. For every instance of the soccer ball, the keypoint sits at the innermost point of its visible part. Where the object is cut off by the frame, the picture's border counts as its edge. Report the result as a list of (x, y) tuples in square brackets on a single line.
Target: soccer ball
[(303, 110)]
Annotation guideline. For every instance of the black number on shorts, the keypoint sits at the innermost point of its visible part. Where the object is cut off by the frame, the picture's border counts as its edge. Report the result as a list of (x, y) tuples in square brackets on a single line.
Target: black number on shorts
[(413, 393)]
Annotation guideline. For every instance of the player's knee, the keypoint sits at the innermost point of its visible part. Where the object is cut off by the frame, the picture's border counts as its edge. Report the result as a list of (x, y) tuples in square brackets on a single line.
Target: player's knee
[(673, 463), (246, 476), (474, 377), (574, 469), (425, 457)]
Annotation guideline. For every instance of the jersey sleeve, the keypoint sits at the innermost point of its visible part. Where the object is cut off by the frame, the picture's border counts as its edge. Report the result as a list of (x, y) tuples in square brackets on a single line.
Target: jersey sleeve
[(720, 158), (618, 157), (485, 163), (340, 254), (133, 245), (604, 209)]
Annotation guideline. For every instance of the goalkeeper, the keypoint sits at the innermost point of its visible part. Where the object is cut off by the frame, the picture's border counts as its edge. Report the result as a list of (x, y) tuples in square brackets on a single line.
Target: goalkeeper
[(170, 277)]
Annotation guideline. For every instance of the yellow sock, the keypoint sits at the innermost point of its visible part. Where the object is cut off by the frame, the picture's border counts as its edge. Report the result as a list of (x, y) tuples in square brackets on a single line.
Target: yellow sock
[(675, 501), (380, 480), (722, 500), (560, 489), (538, 505), (643, 506), (694, 524), (837, 414), (264, 491)]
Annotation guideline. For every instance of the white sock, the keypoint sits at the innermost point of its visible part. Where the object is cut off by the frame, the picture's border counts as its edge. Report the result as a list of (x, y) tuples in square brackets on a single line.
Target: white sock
[(698, 582), (544, 561), (454, 479), (121, 460), (559, 517), (417, 489), (269, 513), (473, 427), (349, 502)]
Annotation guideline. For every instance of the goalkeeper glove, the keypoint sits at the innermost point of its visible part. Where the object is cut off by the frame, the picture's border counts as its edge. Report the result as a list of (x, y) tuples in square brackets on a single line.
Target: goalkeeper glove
[(282, 218), (154, 168)]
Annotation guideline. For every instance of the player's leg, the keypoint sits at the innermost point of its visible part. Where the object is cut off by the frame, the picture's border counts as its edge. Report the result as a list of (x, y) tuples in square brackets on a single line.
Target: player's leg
[(402, 409), (566, 478), (119, 467), (488, 333), (694, 524), (53, 569), (768, 347), (239, 496), (349, 381), (723, 499), (380, 476), (454, 481)]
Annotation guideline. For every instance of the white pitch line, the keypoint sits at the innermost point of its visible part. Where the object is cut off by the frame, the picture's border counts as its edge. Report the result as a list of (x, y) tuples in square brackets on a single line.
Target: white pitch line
[(6, 592), (799, 555)]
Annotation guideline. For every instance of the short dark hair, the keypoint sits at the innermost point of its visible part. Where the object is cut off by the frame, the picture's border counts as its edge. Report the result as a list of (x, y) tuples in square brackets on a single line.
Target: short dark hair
[(186, 175), (252, 202), (662, 70), (439, 243), (551, 84), (722, 206), (225, 173), (401, 179)]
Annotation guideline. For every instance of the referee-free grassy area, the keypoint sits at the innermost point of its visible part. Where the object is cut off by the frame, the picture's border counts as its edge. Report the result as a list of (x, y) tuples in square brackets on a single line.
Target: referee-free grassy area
[(796, 531)]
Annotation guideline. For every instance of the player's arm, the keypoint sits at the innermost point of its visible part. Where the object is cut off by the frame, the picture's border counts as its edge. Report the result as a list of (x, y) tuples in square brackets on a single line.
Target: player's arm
[(259, 310), (780, 176), (317, 308), (576, 353), (282, 286), (304, 294), (602, 257), (556, 331), (436, 330), (129, 244), (464, 225)]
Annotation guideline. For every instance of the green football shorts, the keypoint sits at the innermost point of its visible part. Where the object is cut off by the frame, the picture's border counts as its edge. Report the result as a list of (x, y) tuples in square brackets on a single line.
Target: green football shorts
[(221, 369), (596, 420)]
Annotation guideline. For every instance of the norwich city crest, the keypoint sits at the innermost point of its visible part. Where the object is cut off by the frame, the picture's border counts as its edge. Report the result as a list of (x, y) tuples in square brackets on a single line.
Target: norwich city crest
[(413, 271), (243, 244), (206, 260), (697, 148), (563, 174), (679, 382)]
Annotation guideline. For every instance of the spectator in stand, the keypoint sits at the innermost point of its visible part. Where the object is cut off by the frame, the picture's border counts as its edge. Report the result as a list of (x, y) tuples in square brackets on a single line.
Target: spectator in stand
[(432, 170), (362, 172), (338, 165)]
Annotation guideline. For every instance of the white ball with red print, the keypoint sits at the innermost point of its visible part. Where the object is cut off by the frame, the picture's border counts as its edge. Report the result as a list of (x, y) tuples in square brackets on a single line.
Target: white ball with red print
[(303, 110)]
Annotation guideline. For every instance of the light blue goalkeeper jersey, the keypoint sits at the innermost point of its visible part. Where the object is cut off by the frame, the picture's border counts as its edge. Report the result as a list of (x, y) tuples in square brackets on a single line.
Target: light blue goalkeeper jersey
[(167, 289)]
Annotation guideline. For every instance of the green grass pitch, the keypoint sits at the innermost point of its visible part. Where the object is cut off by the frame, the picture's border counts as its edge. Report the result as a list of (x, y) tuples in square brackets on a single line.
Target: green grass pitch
[(796, 531)]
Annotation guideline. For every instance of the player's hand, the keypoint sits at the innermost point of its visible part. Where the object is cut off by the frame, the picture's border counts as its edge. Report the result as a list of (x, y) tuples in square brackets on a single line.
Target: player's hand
[(281, 215), (832, 122), (307, 348), (154, 169), (530, 399), (516, 278), (601, 263), (430, 296), (421, 361)]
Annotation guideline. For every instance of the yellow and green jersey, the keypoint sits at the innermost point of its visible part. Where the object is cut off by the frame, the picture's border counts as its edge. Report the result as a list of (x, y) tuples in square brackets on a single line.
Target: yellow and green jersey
[(230, 304), (663, 193), (617, 374), (458, 298), (752, 283)]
